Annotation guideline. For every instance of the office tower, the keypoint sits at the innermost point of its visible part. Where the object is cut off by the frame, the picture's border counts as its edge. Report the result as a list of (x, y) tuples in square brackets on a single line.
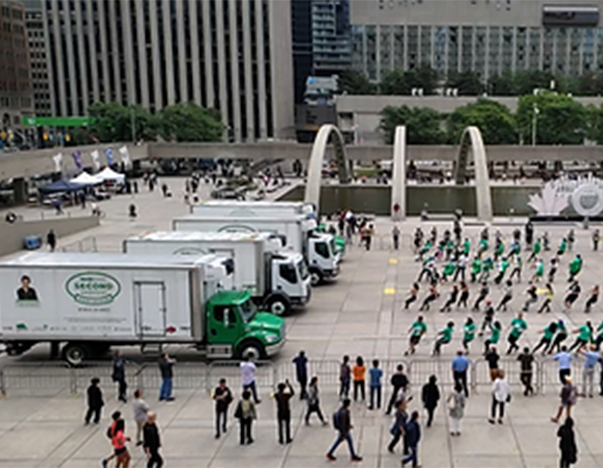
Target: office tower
[(37, 56)]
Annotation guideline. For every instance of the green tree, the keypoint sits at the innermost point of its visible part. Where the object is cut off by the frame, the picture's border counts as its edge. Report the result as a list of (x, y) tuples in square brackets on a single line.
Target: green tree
[(355, 82), (422, 125), (560, 120), (494, 120), (396, 82), (113, 122), (468, 83), (594, 123), (189, 122), (501, 85)]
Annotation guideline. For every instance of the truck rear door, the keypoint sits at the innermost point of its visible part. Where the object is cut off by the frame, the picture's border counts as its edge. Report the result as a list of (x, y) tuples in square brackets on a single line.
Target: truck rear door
[(150, 308)]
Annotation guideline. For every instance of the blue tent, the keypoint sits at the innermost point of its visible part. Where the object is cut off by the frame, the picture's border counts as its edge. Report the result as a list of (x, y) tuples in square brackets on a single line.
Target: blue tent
[(61, 186)]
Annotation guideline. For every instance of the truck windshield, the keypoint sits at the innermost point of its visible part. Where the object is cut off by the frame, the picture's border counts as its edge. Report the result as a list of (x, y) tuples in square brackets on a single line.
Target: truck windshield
[(247, 310), (302, 269)]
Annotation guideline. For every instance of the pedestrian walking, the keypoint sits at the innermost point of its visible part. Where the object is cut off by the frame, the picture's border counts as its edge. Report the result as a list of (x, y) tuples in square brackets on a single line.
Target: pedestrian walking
[(282, 396), (301, 372), (166, 368), (568, 397), (245, 413), (460, 366), (492, 358), (507, 297), (574, 292), (547, 338), (95, 401), (483, 293), (248, 370), (118, 375), (398, 429), (416, 330), (532, 294), (313, 401), (412, 296), (456, 409), (345, 376), (592, 357), (140, 409), (412, 437), (116, 416), (585, 336), (399, 383), (469, 329), (119, 440), (501, 395), (223, 397), (451, 300), (548, 298), (51, 240), (342, 423), (464, 295), (526, 360), (396, 236), (152, 441), (444, 337), (560, 337), (564, 364), (596, 238), (430, 395), (518, 326), (594, 297), (375, 375), (567, 444), (359, 373)]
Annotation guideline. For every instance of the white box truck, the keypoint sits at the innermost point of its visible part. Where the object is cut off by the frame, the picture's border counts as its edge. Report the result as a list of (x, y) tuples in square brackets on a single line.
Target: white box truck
[(276, 278), (318, 249), (87, 302)]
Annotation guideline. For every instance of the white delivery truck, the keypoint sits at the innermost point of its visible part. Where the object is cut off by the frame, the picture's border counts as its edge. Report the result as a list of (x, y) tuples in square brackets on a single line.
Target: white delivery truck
[(87, 302), (276, 278), (318, 249)]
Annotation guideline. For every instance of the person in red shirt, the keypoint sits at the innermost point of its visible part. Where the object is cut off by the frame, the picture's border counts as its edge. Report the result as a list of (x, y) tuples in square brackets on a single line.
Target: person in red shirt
[(119, 440)]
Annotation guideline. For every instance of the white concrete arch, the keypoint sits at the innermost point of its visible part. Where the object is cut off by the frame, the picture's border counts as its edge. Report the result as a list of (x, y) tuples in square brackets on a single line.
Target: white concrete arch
[(319, 148), (472, 139), (398, 203)]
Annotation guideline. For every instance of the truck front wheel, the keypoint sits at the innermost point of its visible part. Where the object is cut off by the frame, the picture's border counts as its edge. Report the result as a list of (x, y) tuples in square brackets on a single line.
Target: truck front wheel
[(251, 348), (278, 305), (316, 277), (76, 353)]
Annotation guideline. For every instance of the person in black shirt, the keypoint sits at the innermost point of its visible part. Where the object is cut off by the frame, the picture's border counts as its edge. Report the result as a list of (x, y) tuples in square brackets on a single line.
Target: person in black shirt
[(526, 359), (166, 365), (492, 357), (152, 441), (223, 398), (283, 411), (95, 401), (26, 292), (399, 381)]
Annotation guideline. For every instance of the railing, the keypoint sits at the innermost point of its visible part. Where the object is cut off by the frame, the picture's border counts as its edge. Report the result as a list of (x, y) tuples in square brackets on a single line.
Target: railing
[(52, 379)]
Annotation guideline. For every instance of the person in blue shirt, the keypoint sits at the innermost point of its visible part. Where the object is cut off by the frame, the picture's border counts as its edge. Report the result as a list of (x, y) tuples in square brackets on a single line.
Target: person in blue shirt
[(564, 360), (375, 375), (413, 436), (460, 365), (301, 372), (592, 358)]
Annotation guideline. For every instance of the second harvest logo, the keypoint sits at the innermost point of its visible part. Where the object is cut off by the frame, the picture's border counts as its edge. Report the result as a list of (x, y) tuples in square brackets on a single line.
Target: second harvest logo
[(93, 288)]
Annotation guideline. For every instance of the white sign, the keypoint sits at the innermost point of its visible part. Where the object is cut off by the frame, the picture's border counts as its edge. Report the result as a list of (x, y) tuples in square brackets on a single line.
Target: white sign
[(585, 194)]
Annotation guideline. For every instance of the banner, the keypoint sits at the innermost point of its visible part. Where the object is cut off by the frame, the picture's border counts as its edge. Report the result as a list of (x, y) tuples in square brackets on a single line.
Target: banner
[(109, 156), (58, 162), (125, 156), (95, 162), (77, 160)]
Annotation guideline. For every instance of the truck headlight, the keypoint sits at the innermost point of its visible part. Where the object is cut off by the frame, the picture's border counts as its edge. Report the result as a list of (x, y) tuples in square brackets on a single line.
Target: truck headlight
[(271, 338)]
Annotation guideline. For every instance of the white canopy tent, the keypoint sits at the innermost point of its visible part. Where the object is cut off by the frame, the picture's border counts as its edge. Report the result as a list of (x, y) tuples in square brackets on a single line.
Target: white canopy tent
[(108, 174), (86, 179)]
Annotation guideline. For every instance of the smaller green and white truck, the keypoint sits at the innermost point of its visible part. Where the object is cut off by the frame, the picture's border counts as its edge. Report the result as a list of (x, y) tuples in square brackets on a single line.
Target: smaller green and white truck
[(87, 302)]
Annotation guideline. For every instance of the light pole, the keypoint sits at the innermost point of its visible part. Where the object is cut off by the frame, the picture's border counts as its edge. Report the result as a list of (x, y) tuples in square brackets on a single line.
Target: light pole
[(133, 125), (534, 124)]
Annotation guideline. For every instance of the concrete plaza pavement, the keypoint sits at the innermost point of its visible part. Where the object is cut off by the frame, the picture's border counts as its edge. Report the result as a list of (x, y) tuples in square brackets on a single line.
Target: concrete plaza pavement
[(358, 314)]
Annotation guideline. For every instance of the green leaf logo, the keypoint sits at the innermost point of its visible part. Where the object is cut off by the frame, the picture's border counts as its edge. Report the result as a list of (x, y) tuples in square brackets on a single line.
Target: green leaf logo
[(93, 288)]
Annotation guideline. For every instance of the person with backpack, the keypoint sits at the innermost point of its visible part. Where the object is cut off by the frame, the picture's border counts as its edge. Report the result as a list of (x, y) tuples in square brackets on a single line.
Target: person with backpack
[(413, 436), (569, 397), (342, 423), (245, 413), (398, 430), (95, 401), (345, 374), (313, 401)]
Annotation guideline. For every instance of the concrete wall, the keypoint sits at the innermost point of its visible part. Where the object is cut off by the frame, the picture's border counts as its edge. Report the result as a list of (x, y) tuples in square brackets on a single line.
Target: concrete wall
[(12, 235)]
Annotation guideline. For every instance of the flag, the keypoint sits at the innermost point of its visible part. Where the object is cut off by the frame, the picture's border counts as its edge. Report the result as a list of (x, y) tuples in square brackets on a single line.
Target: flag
[(58, 162), (109, 156), (95, 162), (77, 160), (125, 155)]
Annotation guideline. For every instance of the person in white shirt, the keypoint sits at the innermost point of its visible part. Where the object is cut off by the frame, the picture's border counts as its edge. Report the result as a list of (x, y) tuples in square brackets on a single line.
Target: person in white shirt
[(141, 409), (461, 266), (501, 394), (248, 377)]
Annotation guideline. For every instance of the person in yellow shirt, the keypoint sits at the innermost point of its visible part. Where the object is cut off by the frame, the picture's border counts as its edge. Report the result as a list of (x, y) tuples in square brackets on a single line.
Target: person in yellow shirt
[(548, 298), (358, 374)]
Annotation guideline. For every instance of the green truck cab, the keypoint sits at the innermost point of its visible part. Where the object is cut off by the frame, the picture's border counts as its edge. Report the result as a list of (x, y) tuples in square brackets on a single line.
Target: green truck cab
[(339, 241), (236, 329)]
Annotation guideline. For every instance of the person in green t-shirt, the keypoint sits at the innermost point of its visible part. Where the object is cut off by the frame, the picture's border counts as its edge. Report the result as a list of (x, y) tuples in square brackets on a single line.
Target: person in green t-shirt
[(444, 337), (487, 266), (476, 268), (518, 326), (416, 330), (536, 248), (469, 329), (585, 336), (495, 331), (574, 268), (562, 247), (547, 337), (466, 247)]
